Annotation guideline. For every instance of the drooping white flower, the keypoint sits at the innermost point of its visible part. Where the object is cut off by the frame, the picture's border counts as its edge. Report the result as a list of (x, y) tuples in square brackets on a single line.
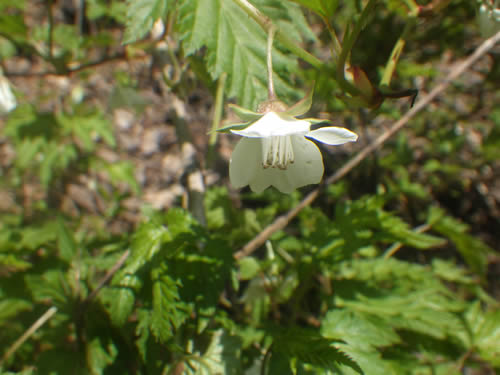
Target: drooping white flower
[(276, 149), (7, 98)]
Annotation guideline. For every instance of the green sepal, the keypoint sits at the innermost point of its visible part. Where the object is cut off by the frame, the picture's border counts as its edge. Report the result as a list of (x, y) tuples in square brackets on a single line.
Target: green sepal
[(316, 120), (245, 114), (302, 106), (227, 129)]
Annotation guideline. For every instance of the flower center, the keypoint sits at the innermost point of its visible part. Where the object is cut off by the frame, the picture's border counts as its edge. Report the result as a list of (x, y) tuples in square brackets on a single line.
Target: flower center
[(277, 152)]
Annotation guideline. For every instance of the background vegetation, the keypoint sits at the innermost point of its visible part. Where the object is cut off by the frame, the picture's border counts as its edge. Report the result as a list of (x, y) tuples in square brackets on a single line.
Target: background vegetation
[(112, 263)]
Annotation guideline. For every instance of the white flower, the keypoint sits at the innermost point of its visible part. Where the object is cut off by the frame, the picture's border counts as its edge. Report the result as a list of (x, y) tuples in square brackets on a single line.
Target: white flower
[(276, 151), (7, 98)]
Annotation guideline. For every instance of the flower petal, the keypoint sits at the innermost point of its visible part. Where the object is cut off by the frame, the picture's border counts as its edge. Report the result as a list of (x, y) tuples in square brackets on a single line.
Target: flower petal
[(245, 160), (273, 124), (332, 135), (307, 169)]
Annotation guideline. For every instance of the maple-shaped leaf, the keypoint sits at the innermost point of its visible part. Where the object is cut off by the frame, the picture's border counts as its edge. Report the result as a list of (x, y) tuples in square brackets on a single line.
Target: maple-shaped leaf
[(235, 44)]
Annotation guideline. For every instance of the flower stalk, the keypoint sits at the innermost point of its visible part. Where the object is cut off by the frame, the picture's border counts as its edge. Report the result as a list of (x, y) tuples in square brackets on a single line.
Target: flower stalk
[(270, 82)]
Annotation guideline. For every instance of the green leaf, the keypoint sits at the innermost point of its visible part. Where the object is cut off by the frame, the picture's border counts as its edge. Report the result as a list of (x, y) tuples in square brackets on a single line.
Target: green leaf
[(10, 308), (310, 347), (66, 242), (249, 267), (122, 171), (324, 8), (473, 250), (235, 44), (362, 334), (146, 242), (221, 357), (51, 286), (488, 337), (165, 315), (484, 328), (120, 301), (359, 330), (141, 15), (100, 355)]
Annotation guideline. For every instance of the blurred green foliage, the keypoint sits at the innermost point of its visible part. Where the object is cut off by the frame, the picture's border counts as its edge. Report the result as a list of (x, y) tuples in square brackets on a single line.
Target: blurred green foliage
[(330, 294)]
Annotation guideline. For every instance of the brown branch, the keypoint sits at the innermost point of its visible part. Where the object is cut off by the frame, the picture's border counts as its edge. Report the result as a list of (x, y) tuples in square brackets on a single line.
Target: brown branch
[(122, 56), (282, 221)]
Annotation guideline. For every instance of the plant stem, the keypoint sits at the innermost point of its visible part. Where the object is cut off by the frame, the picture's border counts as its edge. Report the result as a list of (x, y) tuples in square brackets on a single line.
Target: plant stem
[(270, 82), (337, 46)]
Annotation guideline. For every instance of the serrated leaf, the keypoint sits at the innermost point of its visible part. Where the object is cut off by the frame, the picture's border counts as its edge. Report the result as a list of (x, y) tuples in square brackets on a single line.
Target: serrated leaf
[(235, 44), (100, 355), (473, 250), (51, 286), (146, 242), (358, 330), (310, 347), (141, 15), (165, 315), (9, 308), (485, 331), (221, 357), (120, 301)]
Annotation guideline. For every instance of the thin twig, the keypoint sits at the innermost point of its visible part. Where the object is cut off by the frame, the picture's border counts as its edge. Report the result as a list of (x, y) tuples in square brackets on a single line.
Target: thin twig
[(121, 56), (282, 221), (26, 335), (119, 263)]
